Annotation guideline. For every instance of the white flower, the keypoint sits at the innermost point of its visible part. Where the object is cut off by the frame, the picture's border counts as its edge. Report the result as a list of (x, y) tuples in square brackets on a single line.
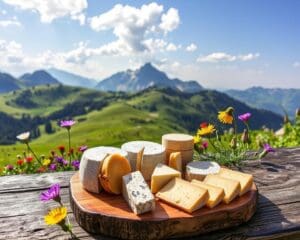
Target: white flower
[(24, 136)]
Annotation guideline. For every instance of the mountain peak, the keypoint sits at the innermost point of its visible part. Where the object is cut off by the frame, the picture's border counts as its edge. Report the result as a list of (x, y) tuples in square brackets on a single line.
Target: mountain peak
[(39, 77)]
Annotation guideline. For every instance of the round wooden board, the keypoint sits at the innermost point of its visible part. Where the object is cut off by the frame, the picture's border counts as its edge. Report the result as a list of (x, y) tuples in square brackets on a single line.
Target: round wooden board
[(110, 215)]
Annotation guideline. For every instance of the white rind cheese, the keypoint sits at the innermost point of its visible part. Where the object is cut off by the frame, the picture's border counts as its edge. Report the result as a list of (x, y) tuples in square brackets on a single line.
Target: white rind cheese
[(153, 154), (90, 166), (137, 193), (200, 169)]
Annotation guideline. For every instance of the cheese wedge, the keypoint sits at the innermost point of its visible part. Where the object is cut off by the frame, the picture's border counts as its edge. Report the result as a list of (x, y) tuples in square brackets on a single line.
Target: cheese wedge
[(161, 176), (184, 195), (139, 159), (216, 194), (246, 180), (231, 188), (90, 166), (137, 193), (175, 161), (153, 154), (113, 169), (200, 169)]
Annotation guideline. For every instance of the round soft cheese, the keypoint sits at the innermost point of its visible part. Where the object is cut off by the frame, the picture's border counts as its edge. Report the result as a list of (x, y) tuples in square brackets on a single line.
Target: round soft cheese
[(90, 166), (153, 154), (178, 141), (200, 169)]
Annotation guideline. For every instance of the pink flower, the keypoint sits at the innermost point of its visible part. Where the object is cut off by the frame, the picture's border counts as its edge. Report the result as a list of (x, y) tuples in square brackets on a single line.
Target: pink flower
[(268, 148), (67, 123), (51, 194), (9, 167), (82, 148), (245, 117), (205, 145)]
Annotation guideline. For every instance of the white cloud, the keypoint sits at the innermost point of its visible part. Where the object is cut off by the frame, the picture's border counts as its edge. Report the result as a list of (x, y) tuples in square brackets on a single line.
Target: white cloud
[(133, 26), (7, 23), (296, 64), (53, 9), (171, 47), (191, 48), (225, 57)]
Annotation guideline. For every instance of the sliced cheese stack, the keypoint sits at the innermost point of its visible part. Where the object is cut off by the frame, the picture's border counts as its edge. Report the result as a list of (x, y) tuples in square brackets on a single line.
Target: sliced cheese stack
[(161, 176), (200, 169), (184, 195), (114, 167), (153, 153), (90, 166), (137, 193), (246, 180), (177, 142), (231, 187), (216, 194), (175, 161)]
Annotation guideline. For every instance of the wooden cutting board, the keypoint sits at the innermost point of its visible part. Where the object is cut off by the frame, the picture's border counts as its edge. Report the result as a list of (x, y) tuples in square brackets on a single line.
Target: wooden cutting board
[(110, 215)]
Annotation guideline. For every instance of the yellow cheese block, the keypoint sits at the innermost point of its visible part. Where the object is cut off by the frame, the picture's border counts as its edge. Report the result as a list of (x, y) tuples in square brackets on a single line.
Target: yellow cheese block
[(162, 174), (175, 161), (113, 169), (216, 194), (184, 195), (231, 187), (246, 180)]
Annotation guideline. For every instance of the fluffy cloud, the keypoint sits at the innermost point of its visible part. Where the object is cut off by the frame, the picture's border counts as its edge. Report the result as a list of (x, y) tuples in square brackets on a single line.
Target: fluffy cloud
[(7, 23), (225, 57), (133, 26), (191, 48), (52, 9), (296, 64)]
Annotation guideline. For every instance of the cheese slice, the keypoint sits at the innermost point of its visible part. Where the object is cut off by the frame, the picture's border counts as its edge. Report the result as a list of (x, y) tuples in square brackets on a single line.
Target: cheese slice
[(137, 193), (161, 176), (90, 166), (153, 154), (139, 159), (216, 194), (231, 187), (175, 161), (200, 169), (184, 195), (113, 169), (246, 180)]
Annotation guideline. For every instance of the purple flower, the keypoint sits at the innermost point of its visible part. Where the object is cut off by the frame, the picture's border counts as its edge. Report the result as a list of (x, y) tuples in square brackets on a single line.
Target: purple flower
[(51, 194), (245, 117), (64, 162), (59, 159), (268, 148), (67, 123), (9, 167), (52, 167), (82, 148), (76, 164), (205, 145)]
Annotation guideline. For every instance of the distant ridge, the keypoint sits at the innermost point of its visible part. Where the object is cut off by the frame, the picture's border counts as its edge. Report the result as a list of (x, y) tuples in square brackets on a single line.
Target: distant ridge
[(8, 83), (39, 77), (145, 77)]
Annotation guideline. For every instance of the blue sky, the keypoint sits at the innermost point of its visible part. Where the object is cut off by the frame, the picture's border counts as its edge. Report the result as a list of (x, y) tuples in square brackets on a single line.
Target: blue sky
[(221, 44)]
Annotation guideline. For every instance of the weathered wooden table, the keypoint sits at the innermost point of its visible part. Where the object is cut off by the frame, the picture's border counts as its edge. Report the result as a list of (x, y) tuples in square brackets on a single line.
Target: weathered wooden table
[(277, 216)]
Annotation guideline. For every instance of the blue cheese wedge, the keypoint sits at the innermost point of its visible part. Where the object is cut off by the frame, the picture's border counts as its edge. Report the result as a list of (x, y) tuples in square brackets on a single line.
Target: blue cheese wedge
[(137, 193)]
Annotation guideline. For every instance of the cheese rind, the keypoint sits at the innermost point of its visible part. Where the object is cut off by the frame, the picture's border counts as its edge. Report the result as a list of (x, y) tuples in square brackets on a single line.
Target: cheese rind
[(137, 193), (200, 169), (246, 180), (184, 195), (90, 166), (162, 174), (231, 187), (216, 194), (175, 161)]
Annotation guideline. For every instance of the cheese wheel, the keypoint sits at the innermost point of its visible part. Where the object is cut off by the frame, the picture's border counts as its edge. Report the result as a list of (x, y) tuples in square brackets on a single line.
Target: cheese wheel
[(114, 167), (200, 169), (178, 141), (90, 166), (175, 161), (153, 154)]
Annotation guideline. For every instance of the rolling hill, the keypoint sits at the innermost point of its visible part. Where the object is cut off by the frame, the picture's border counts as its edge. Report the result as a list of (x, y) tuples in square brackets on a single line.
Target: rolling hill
[(8, 83), (37, 78)]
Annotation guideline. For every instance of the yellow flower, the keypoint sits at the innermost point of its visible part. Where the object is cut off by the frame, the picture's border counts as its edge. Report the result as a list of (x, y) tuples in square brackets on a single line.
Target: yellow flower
[(46, 162), (56, 215), (226, 116), (205, 130), (197, 139)]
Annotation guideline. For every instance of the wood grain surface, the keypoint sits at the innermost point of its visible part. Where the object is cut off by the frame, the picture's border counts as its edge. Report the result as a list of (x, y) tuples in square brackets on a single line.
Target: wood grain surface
[(277, 216)]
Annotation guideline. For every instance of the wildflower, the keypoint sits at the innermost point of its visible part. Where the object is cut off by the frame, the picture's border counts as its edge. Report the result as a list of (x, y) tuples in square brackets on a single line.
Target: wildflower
[(24, 137), (29, 159), (76, 164), (59, 159), (64, 162), (226, 116), (46, 162), (82, 148), (203, 125), (245, 117), (267, 149), (206, 129), (67, 123), (56, 216), (71, 152), (20, 162), (9, 167), (245, 136), (52, 167), (61, 149), (51, 194), (41, 170), (197, 139), (205, 145)]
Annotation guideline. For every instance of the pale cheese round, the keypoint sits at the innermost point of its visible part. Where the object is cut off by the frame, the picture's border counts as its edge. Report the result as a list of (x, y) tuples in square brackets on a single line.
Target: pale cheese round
[(200, 169), (178, 141)]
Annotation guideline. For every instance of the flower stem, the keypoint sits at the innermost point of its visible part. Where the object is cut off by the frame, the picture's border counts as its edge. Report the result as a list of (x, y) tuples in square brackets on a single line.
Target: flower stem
[(69, 135), (30, 149)]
